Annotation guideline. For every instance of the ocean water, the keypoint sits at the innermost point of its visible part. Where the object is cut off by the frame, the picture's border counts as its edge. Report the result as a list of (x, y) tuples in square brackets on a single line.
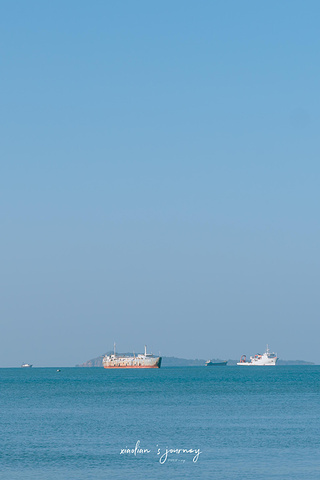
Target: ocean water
[(189, 422)]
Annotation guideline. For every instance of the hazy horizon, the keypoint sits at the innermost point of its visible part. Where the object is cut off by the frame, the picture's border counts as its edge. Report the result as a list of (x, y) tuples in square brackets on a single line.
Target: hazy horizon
[(159, 179)]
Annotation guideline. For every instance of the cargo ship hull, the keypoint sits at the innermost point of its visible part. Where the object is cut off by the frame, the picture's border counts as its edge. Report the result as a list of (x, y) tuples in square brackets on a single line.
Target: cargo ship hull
[(216, 364), (131, 366)]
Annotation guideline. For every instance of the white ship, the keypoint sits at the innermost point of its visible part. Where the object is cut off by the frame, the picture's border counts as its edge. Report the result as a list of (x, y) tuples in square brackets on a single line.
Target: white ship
[(146, 360), (26, 365), (267, 359)]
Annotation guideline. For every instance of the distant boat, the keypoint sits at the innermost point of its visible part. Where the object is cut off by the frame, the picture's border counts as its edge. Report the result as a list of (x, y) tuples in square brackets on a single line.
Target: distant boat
[(266, 359), (26, 365), (210, 363)]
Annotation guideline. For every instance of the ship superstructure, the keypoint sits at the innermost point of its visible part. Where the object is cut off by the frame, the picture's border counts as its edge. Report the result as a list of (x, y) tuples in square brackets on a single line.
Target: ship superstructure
[(146, 360)]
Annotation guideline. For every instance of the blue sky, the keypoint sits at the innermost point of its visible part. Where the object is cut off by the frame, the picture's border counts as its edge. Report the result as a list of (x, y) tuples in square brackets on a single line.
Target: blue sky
[(159, 179)]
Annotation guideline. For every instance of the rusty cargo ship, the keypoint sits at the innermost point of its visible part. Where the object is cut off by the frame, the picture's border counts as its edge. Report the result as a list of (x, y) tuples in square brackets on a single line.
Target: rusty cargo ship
[(146, 360)]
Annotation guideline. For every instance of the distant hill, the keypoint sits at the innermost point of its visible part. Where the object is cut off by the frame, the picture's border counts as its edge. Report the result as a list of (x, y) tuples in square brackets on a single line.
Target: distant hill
[(294, 362), (184, 362)]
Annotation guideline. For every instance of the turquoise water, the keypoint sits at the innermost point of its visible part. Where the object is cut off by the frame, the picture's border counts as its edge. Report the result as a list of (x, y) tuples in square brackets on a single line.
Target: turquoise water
[(249, 423)]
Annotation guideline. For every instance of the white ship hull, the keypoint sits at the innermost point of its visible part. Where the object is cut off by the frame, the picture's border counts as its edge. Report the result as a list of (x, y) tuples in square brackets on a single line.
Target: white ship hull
[(257, 364)]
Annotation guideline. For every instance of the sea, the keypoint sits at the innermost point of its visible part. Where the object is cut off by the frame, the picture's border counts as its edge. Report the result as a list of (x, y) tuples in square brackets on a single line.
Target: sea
[(171, 423)]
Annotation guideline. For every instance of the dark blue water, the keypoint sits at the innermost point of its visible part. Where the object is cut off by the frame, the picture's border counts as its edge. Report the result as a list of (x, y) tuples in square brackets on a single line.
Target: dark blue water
[(249, 423)]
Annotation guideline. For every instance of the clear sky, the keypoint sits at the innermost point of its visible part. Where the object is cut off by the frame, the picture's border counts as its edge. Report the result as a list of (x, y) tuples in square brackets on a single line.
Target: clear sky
[(159, 179)]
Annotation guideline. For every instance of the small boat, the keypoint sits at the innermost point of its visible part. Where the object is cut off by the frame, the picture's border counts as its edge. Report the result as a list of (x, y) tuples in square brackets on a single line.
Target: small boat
[(26, 365), (210, 363), (266, 359)]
